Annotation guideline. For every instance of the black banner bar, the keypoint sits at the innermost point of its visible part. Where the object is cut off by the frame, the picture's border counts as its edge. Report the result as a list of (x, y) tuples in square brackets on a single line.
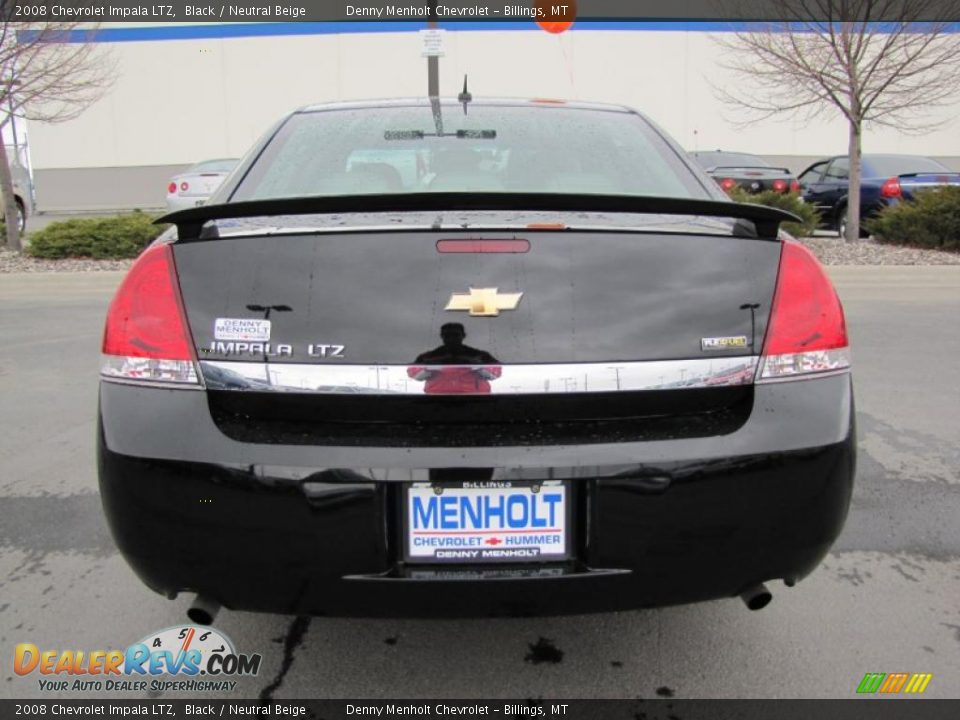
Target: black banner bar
[(582, 11), (872, 708)]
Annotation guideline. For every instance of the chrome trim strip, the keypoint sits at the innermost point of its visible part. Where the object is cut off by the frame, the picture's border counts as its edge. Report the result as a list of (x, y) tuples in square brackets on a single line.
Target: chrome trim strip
[(542, 379)]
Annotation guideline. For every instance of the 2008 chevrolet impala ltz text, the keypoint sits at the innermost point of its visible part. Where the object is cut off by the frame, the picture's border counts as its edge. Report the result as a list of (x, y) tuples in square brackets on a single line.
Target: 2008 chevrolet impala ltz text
[(429, 357)]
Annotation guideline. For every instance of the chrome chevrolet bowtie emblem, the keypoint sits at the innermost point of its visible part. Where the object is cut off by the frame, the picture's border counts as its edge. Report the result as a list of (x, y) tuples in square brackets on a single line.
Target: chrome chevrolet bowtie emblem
[(484, 302)]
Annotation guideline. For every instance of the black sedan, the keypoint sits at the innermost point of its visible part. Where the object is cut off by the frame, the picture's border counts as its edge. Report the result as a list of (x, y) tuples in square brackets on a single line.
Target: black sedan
[(884, 180), (750, 173), (411, 361)]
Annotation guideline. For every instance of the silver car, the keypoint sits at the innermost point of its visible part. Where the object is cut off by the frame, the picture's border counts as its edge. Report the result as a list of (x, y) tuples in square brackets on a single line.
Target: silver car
[(197, 183), (23, 202)]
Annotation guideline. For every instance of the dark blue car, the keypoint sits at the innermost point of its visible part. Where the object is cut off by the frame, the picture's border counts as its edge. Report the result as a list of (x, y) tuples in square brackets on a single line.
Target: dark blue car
[(885, 180)]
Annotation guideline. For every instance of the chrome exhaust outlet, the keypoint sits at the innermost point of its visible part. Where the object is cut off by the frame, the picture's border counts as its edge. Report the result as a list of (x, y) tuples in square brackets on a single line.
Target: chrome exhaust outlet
[(756, 597), (203, 610)]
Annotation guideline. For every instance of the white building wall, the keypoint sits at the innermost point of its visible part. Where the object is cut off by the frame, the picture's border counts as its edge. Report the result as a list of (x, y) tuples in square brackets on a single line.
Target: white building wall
[(179, 101)]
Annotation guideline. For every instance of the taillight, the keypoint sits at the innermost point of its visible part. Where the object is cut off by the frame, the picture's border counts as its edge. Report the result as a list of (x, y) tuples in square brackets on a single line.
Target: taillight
[(891, 188), (794, 186), (146, 337), (807, 332), (779, 186), (184, 186), (728, 184), (171, 188)]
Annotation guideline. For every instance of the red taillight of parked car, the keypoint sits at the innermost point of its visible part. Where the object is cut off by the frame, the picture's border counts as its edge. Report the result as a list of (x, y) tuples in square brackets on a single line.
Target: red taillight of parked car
[(171, 188), (184, 186), (780, 186), (807, 332), (728, 184), (146, 337), (794, 186), (891, 188)]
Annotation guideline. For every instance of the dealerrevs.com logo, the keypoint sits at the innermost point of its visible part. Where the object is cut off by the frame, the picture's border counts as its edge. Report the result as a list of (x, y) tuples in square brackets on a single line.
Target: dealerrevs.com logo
[(202, 659)]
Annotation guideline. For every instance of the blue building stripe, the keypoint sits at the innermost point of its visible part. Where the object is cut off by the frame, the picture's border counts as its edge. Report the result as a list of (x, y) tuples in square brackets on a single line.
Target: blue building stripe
[(243, 30)]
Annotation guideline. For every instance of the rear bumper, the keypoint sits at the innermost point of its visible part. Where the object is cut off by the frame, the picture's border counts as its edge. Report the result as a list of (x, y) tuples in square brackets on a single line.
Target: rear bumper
[(315, 530), (183, 202)]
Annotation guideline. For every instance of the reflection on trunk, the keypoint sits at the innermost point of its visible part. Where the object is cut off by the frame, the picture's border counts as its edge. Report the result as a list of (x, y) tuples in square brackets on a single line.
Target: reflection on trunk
[(470, 370)]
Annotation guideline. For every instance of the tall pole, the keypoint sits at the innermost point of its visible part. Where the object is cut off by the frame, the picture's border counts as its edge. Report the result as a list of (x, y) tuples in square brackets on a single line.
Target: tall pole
[(433, 62), (617, 371), (433, 75), (11, 84), (13, 129)]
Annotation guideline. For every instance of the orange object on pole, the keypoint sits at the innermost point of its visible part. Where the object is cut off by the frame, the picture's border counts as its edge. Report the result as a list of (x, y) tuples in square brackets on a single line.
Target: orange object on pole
[(546, 19)]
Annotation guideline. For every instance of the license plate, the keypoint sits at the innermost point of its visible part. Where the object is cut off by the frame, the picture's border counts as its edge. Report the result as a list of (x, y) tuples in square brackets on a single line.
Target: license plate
[(518, 524)]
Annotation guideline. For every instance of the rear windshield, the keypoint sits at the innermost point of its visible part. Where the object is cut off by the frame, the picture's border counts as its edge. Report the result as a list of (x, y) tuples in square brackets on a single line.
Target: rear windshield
[(391, 150), (709, 160), (890, 166)]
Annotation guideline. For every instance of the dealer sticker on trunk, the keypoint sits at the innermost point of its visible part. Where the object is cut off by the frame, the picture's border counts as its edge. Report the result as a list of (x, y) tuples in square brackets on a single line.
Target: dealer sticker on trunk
[(241, 329), (487, 524)]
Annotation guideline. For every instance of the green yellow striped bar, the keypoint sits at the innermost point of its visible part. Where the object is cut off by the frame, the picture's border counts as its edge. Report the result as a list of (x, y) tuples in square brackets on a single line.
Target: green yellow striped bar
[(893, 683)]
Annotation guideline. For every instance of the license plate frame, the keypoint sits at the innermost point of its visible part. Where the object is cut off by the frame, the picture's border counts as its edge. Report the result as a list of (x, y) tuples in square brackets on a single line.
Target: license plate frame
[(504, 550)]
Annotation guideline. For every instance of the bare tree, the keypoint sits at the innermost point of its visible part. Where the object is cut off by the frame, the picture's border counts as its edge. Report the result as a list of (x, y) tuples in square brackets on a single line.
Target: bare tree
[(48, 72), (879, 62)]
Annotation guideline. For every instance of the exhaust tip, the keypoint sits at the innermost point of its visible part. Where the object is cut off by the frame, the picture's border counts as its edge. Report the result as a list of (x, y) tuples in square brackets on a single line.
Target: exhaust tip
[(203, 610), (756, 597)]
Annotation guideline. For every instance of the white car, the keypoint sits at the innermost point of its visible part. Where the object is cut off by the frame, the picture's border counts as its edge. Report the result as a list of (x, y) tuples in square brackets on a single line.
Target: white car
[(22, 200), (194, 185)]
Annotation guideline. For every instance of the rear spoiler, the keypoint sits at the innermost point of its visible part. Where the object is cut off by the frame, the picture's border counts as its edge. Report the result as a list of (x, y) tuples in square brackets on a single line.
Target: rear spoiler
[(750, 167), (189, 222), (946, 173)]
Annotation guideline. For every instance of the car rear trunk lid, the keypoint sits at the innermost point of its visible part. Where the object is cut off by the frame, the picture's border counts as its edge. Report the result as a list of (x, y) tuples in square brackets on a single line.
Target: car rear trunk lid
[(382, 298)]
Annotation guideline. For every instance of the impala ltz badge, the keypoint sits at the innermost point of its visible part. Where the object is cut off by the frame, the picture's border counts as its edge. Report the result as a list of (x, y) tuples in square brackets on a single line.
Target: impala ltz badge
[(484, 302)]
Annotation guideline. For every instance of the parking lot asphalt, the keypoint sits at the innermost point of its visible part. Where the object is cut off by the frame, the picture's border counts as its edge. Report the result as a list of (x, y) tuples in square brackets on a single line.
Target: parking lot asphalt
[(886, 599)]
